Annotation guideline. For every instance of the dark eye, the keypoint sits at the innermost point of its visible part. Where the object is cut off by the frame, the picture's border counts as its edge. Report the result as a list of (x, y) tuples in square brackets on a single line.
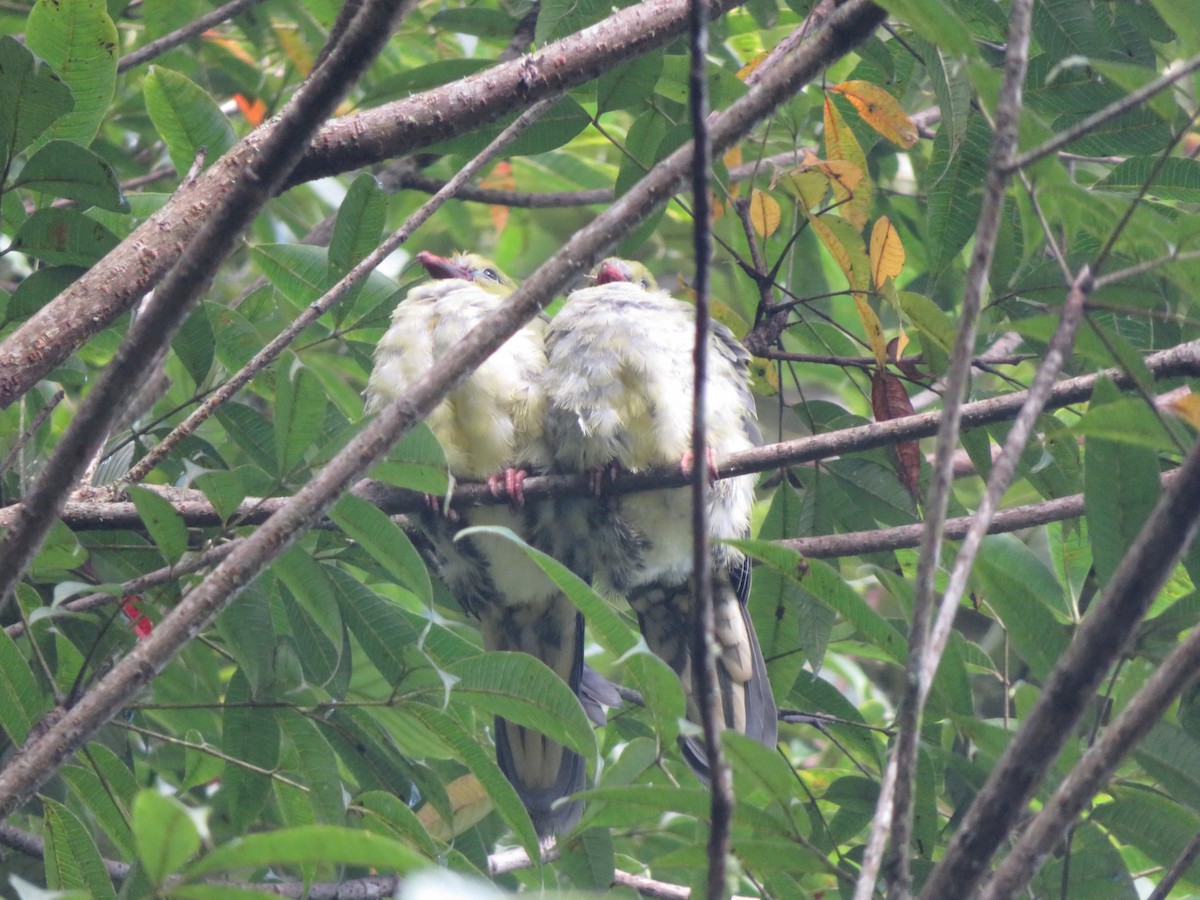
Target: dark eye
[(646, 283), (491, 274)]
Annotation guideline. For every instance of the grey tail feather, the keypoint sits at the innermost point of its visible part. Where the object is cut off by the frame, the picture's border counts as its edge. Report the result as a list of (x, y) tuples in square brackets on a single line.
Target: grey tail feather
[(548, 815), (597, 694), (762, 715)]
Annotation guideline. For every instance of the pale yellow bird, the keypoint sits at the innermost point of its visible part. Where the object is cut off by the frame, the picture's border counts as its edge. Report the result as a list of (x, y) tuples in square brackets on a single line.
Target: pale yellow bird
[(618, 385), (492, 424)]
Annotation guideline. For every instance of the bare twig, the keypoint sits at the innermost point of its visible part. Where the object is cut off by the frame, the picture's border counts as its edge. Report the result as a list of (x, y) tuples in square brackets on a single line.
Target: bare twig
[(42, 414), (987, 229), (1099, 640), (703, 636), (181, 35), (1132, 100)]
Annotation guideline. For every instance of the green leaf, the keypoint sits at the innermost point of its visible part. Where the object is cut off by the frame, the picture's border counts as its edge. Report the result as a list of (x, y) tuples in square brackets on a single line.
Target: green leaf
[(309, 844), (63, 169), (249, 633), (21, 703), (385, 810), (359, 224), (32, 98), (251, 736), (1172, 758), (824, 583), (63, 236), (251, 431), (106, 788), (165, 833), (624, 86), (525, 690), (223, 489), (318, 765), (955, 197), (165, 525), (1158, 826), (301, 272), (417, 462), (1120, 488), (42, 286), (563, 121), (481, 764), (71, 857), (936, 22), (79, 41), (194, 344), (475, 20), (299, 412), (1022, 591), (385, 541), (187, 118)]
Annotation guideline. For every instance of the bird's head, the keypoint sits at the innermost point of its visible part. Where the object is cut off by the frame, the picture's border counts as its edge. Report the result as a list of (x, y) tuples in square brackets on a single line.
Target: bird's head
[(468, 267), (613, 269)]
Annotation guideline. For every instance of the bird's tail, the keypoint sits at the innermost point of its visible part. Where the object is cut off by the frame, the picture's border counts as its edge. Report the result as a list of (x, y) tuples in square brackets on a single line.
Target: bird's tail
[(746, 702), (543, 771)]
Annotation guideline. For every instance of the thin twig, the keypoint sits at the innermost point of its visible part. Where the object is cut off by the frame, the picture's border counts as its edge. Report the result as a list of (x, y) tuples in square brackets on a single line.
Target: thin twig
[(42, 414), (1100, 639), (986, 232), (703, 636), (181, 35), (1130, 101)]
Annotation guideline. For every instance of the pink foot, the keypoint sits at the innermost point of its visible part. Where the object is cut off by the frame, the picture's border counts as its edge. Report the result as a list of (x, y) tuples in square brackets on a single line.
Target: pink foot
[(512, 486), (601, 476), (688, 460), (435, 504)]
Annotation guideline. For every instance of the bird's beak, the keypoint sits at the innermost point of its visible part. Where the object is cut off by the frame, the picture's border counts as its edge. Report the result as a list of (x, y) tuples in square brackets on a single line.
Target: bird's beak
[(439, 267), (609, 272)]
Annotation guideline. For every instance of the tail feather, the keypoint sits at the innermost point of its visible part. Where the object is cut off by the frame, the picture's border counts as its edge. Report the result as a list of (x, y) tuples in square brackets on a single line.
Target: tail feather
[(747, 704), (543, 771)]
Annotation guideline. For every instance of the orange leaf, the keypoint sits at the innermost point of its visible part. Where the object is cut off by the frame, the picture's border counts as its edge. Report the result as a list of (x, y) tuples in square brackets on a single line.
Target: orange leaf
[(469, 802), (254, 110), (840, 144), (764, 213), (889, 400), (733, 157), (880, 110), (887, 251)]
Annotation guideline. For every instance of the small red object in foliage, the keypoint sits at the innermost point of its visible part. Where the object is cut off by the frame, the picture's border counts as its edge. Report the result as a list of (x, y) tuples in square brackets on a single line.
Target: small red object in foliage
[(142, 625)]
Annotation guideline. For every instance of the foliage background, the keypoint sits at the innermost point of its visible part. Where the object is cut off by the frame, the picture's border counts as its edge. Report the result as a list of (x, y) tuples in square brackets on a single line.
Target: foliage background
[(343, 688)]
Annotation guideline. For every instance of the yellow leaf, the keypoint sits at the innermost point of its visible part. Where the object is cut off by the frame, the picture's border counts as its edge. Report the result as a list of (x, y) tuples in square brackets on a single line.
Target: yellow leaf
[(733, 157), (469, 802), (887, 251), (295, 48), (723, 313), (744, 72), (808, 186), (872, 327), (764, 213), (880, 110), (840, 144), (833, 244), (1187, 408)]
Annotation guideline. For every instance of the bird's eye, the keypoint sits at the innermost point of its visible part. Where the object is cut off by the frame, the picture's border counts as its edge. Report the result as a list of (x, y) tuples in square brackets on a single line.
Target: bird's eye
[(491, 274), (646, 283)]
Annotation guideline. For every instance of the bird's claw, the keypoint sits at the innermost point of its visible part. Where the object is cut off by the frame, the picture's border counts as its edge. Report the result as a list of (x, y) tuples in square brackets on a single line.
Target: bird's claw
[(601, 476), (510, 483), (436, 505), (688, 460)]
